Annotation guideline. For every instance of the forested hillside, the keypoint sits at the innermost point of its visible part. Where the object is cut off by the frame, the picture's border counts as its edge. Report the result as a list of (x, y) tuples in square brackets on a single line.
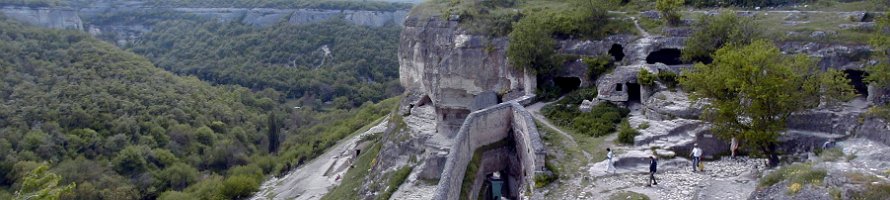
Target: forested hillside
[(329, 61), (121, 128)]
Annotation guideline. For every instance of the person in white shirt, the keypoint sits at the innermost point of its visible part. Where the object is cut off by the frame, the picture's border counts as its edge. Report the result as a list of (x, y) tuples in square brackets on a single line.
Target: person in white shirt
[(733, 146), (696, 156), (610, 166)]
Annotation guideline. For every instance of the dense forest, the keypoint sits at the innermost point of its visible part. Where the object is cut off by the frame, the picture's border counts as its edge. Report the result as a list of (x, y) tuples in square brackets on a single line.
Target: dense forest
[(118, 127), (329, 61), (312, 4)]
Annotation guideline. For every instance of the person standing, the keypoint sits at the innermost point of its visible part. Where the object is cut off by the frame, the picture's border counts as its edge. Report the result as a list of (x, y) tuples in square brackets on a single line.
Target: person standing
[(610, 166), (733, 146), (653, 167), (696, 156)]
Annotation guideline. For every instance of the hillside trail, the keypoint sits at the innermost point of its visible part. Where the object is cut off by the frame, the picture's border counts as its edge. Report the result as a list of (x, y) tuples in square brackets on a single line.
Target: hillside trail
[(314, 179), (535, 110)]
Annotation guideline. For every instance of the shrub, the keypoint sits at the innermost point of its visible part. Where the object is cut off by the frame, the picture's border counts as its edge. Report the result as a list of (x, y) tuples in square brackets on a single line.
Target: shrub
[(626, 133), (831, 154), (599, 121), (872, 191), (398, 177), (800, 173), (240, 186), (712, 33), (577, 96), (597, 66), (668, 78), (644, 77), (177, 176), (130, 161), (643, 125), (794, 188), (670, 10)]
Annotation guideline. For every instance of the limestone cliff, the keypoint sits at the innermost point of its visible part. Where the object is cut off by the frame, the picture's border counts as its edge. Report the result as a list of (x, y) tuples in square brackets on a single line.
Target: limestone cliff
[(123, 31), (457, 71)]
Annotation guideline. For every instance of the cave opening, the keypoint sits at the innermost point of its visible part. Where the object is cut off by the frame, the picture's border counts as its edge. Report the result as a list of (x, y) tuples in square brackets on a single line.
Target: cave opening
[(667, 56), (633, 93), (567, 84), (856, 80), (617, 52)]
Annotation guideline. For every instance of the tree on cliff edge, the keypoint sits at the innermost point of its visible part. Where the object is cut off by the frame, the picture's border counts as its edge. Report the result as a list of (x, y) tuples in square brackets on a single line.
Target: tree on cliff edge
[(751, 90)]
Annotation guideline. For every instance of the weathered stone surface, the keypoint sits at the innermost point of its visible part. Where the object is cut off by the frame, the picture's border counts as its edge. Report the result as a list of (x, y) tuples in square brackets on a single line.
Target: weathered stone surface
[(507, 120), (858, 16), (594, 47), (124, 32), (57, 18), (484, 100), (437, 59), (824, 121), (613, 86), (859, 26), (651, 14), (875, 129), (665, 105), (831, 56)]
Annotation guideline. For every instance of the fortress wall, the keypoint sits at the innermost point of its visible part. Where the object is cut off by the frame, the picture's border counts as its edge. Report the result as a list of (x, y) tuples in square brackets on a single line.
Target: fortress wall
[(488, 126)]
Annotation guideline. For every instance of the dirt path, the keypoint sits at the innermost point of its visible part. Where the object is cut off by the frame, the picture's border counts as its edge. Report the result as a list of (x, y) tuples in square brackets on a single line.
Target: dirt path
[(535, 110), (309, 181)]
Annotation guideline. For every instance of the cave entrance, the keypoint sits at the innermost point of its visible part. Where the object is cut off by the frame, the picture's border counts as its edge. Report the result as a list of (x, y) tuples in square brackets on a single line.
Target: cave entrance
[(856, 80), (666, 56), (633, 93), (567, 84), (617, 52)]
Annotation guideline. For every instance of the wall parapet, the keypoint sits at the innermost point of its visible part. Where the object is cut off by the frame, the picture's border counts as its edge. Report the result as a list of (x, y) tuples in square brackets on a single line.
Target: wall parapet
[(490, 125)]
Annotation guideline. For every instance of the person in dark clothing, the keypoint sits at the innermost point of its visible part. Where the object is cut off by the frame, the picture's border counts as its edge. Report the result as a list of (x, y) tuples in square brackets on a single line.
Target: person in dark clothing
[(653, 167)]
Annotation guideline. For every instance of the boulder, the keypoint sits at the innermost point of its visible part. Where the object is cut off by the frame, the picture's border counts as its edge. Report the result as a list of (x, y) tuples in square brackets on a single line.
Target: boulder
[(859, 26), (651, 14), (665, 105)]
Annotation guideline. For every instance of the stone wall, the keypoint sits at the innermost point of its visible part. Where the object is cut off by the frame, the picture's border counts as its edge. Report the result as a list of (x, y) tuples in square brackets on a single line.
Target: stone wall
[(488, 126)]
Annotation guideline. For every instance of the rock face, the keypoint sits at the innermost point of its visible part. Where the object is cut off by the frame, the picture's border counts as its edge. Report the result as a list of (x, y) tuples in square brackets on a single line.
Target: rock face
[(453, 69), (56, 18), (123, 32)]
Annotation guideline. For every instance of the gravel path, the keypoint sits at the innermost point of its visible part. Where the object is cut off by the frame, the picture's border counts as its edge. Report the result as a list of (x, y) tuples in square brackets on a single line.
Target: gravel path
[(309, 181), (535, 110)]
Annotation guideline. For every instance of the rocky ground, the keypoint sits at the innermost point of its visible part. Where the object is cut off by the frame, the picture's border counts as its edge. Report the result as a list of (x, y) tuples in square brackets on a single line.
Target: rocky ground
[(724, 179)]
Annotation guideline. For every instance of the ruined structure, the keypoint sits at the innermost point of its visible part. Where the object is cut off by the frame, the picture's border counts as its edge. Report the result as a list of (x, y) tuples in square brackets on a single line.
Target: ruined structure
[(463, 97)]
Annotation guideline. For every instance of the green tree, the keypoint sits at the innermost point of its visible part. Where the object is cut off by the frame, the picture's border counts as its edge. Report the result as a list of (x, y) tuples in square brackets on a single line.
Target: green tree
[(880, 74), (239, 186), (531, 46), (178, 176), (130, 161), (40, 184), (751, 90), (670, 10), (712, 33)]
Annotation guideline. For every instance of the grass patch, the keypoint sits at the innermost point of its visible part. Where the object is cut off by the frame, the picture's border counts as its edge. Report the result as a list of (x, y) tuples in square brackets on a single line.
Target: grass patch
[(545, 179), (626, 133), (398, 177), (599, 121), (798, 175), (831, 154), (348, 188), (872, 191), (825, 22), (628, 195)]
